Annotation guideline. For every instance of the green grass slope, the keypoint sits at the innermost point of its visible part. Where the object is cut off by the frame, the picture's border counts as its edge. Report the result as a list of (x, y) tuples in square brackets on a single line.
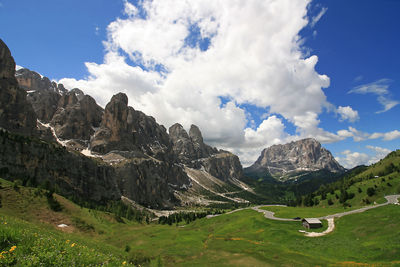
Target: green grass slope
[(363, 186), (243, 238)]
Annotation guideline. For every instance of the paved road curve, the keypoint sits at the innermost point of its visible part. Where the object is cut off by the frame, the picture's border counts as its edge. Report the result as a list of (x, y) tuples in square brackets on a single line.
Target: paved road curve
[(392, 199), (269, 214)]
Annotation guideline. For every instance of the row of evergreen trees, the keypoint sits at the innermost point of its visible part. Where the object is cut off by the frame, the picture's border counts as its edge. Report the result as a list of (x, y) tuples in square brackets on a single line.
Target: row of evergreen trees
[(186, 216)]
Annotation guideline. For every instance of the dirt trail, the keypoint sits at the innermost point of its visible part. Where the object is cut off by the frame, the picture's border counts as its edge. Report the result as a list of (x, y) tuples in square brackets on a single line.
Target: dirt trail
[(331, 227)]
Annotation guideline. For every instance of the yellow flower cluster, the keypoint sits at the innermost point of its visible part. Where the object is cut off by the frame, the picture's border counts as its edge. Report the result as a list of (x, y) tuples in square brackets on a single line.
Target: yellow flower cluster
[(3, 253), (73, 245)]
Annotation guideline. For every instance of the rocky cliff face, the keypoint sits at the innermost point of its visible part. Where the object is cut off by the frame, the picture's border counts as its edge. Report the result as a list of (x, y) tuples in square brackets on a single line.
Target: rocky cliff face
[(125, 129), (151, 182), (77, 116), (16, 114), (74, 115), (33, 81), (284, 161), (135, 156), (35, 162), (191, 150), (42, 93), (224, 165)]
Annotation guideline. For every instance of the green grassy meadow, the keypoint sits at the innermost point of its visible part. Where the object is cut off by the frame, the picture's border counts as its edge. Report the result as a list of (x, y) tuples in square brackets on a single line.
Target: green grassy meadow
[(243, 238)]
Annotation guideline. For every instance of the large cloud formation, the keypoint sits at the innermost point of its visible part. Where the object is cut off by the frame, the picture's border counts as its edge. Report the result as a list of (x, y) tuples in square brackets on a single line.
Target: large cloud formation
[(350, 159), (201, 62)]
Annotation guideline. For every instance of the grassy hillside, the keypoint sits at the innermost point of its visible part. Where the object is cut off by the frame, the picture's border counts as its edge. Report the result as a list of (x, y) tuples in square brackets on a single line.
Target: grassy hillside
[(242, 238), (360, 187)]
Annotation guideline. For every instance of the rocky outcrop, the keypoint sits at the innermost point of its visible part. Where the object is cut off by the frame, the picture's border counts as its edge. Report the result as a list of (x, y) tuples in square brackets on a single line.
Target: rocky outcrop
[(150, 182), (183, 147), (123, 128), (202, 150), (191, 150), (35, 162), (7, 63), (44, 104), (224, 165), (16, 113), (284, 161), (77, 116), (42, 93), (33, 81), (144, 180), (189, 147)]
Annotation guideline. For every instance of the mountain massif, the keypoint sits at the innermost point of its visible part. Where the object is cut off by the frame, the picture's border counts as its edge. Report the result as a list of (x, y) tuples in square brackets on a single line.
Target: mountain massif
[(64, 139), (293, 160)]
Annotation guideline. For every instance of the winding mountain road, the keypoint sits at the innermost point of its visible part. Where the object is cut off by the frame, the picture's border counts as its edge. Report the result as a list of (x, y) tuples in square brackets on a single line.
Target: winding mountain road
[(391, 199)]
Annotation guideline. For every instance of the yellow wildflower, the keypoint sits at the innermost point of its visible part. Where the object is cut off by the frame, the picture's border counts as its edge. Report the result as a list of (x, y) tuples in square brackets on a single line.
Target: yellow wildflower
[(73, 245), (124, 263), (5, 222), (12, 248)]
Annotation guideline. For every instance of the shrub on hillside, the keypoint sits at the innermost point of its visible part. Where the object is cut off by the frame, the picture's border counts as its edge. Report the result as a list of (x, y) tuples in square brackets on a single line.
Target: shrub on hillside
[(53, 203), (371, 191), (139, 259), (17, 184), (345, 205), (82, 225)]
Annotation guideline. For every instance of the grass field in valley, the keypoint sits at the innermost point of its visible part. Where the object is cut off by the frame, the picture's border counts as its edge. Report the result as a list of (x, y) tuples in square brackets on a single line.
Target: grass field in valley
[(243, 238)]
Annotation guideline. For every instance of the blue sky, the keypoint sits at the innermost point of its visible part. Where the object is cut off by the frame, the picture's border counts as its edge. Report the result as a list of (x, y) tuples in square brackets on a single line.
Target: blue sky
[(203, 78)]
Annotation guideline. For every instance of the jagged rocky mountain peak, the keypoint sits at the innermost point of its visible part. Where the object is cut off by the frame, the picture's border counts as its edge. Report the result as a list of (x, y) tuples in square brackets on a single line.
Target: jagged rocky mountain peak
[(119, 98), (68, 99), (7, 63), (177, 132), (116, 112), (76, 116), (287, 160), (137, 157), (195, 134), (78, 93), (32, 81), (16, 114)]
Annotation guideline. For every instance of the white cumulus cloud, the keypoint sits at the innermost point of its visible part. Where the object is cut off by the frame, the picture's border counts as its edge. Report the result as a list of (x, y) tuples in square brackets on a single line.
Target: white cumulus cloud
[(352, 159), (201, 62), (347, 113)]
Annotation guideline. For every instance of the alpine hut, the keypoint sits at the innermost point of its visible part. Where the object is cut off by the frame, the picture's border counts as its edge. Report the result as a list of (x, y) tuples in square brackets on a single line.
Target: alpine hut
[(311, 223)]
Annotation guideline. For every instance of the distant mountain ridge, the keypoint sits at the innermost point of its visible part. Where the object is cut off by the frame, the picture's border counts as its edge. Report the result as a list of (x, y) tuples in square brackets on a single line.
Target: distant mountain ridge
[(292, 160)]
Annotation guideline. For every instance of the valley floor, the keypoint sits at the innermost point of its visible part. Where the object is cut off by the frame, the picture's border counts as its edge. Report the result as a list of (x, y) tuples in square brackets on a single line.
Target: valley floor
[(241, 238)]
